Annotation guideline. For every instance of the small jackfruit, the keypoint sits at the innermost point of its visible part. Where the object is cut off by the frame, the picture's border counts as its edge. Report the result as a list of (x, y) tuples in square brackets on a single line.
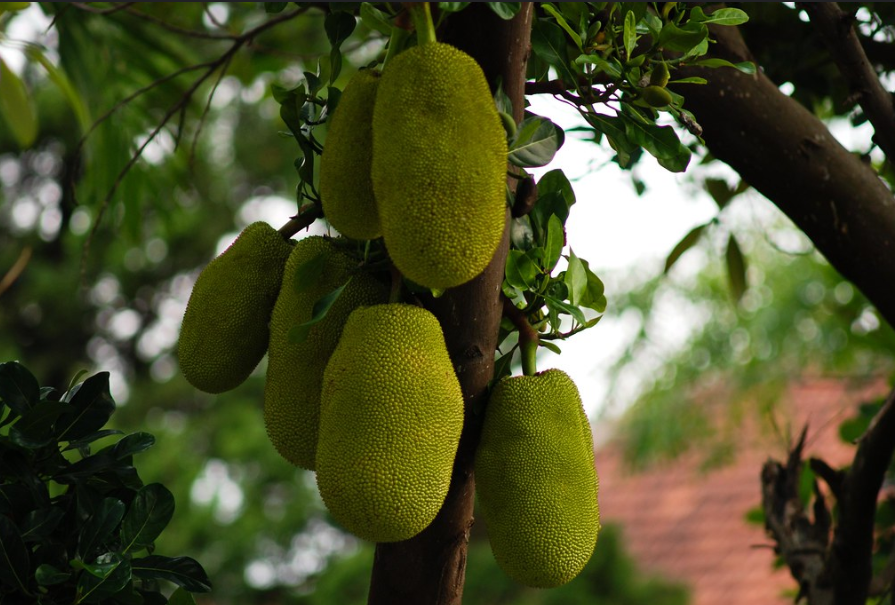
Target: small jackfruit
[(656, 96), (295, 369), (346, 191), (390, 421), (439, 165), (536, 480), (224, 332)]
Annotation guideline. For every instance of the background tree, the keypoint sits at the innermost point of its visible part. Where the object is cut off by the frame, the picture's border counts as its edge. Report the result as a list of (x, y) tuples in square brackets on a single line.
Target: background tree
[(108, 217)]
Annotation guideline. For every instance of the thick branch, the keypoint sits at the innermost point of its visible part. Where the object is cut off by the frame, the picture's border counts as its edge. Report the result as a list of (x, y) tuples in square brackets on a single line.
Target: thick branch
[(787, 153), (853, 539), (836, 29)]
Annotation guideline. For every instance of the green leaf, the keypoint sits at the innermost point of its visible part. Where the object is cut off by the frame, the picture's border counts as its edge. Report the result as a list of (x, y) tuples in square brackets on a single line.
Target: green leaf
[(853, 429), (554, 244), (727, 16), (272, 8), (183, 571), (630, 33), (91, 407), (576, 278), (593, 297), (453, 7), (548, 41), (806, 485), (182, 597), (683, 39), (521, 271), (16, 107), (300, 332), (747, 67), (561, 21), (736, 268), (338, 26), (35, 428), (505, 10), (133, 444), (15, 562), (563, 307), (88, 439), (550, 346), (149, 514), (308, 273), (720, 191), (690, 80), (610, 68), (97, 528), (19, 389), (503, 366), (47, 575), (40, 523), (109, 574), (58, 77), (555, 181), (614, 129), (661, 142), (375, 19), (685, 244), (536, 142)]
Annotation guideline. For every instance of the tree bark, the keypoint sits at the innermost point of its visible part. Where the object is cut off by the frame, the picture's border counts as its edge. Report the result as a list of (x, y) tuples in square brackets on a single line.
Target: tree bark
[(789, 155), (431, 567)]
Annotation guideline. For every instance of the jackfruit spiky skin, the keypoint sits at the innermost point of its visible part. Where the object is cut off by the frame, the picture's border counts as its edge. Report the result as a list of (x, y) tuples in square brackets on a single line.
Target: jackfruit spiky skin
[(224, 333), (439, 165), (346, 190), (295, 370), (536, 480), (390, 422)]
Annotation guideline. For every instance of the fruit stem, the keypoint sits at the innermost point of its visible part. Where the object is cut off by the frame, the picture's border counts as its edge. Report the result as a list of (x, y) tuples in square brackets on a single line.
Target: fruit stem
[(395, 43), (528, 336), (302, 220), (422, 21)]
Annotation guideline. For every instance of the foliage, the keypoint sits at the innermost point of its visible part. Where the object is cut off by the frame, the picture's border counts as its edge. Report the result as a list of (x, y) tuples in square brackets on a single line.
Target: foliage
[(78, 525)]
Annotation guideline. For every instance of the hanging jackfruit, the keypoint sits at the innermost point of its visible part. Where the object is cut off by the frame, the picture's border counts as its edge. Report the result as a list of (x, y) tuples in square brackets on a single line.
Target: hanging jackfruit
[(224, 332), (536, 480), (439, 165), (295, 369), (390, 421), (346, 191)]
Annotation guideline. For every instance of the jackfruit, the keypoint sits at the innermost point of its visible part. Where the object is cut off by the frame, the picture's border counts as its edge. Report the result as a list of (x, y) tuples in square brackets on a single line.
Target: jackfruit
[(536, 480), (346, 191), (390, 421), (656, 96), (295, 369), (224, 332), (439, 165)]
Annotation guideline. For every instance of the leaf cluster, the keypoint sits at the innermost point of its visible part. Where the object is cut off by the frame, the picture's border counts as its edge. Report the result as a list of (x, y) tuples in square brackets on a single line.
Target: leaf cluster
[(77, 524)]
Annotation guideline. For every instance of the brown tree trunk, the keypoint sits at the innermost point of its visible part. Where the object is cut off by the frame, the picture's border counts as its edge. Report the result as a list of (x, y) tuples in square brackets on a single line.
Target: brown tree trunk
[(789, 155), (430, 568)]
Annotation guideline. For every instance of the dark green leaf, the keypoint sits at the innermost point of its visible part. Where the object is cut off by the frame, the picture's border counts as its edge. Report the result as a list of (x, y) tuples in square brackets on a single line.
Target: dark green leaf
[(755, 516), (630, 34), (504, 10), (720, 191), (308, 273), (333, 96), (182, 597), (683, 39), (536, 142), (35, 428), (614, 129), (611, 68), (133, 444), (736, 268), (550, 346), (183, 571), (561, 21), (338, 26), (300, 332), (40, 523), (335, 63), (554, 244), (727, 16), (555, 196), (453, 7), (593, 297), (548, 41), (521, 271), (576, 278), (521, 233), (88, 439), (806, 485), (685, 244), (47, 575), (97, 529), (853, 429), (375, 19), (661, 142), (107, 576), (149, 514), (15, 499), (274, 7), (91, 407), (18, 387), (747, 67), (16, 107), (503, 366), (15, 562), (690, 80), (87, 467), (563, 307)]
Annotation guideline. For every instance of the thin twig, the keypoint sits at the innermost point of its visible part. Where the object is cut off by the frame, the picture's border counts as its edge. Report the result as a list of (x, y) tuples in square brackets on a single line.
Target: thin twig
[(206, 109), (102, 11), (836, 29), (191, 33), (16, 270)]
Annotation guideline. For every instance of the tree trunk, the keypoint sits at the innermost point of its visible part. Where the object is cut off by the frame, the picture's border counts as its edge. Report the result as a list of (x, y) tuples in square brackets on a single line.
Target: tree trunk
[(430, 568), (789, 155)]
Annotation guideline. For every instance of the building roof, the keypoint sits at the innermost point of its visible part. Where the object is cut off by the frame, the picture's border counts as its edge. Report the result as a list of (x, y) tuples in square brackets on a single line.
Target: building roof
[(689, 524)]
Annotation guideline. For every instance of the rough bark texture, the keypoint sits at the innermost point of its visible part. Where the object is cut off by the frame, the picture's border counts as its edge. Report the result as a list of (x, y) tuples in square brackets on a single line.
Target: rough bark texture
[(786, 153), (430, 568)]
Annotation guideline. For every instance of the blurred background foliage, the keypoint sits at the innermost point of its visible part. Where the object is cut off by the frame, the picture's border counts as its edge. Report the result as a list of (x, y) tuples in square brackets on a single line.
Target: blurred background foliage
[(221, 159)]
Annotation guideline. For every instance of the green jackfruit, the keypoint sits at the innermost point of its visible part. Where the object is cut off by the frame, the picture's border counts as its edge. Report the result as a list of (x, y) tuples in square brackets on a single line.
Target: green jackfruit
[(346, 191), (390, 421), (224, 332), (536, 480), (295, 369), (439, 166), (656, 96)]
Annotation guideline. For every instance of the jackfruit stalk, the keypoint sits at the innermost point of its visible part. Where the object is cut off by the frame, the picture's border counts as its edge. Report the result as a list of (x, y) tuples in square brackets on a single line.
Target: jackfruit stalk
[(536, 480), (390, 421), (224, 333), (346, 191), (295, 369), (439, 165)]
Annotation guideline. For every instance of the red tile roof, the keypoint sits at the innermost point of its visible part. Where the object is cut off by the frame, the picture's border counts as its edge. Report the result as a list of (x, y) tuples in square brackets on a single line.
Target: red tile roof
[(689, 524)]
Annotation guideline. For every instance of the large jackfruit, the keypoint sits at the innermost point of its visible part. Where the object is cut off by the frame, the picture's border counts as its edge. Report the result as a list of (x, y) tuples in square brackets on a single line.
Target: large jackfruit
[(295, 369), (224, 332), (390, 421), (346, 191), (439, 165), (536, 480)]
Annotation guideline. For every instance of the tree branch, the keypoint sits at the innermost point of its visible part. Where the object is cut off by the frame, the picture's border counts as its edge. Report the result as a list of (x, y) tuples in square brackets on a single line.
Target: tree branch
[(836, 30)]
